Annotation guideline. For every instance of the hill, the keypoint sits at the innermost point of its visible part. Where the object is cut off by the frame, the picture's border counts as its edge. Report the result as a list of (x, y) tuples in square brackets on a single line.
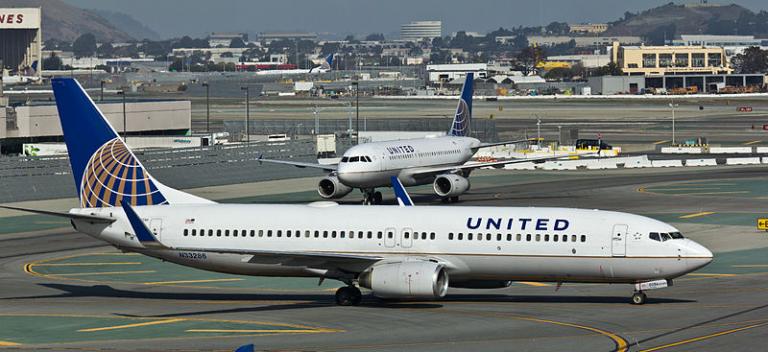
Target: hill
[(65, 22), (668, 20)]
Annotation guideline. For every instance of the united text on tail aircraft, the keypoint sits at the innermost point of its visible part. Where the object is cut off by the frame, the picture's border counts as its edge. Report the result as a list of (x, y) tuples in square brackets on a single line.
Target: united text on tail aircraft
[(399, 252), (441, 161)]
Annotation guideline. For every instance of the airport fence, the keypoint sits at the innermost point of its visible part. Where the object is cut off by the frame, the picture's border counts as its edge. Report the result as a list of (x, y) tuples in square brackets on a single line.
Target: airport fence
[(35, 178), (485, 130)]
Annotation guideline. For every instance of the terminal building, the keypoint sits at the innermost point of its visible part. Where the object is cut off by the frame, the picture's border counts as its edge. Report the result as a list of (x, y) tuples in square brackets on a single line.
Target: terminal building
[(662, 60), (20, 41), (419, 30)]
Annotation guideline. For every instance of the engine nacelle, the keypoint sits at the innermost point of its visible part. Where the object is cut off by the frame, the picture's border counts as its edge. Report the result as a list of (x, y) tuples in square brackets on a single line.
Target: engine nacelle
[(331, 188), (481, 284), (403, 280), (450, 185)]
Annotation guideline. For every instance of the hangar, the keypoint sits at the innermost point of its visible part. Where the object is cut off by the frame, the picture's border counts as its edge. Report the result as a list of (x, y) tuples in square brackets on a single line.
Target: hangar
[(20, 41)]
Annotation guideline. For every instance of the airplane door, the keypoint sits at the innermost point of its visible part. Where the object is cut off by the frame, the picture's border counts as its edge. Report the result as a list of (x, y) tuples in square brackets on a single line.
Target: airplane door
[(406, 237), (389, 237), (619, 240), (156, 226)]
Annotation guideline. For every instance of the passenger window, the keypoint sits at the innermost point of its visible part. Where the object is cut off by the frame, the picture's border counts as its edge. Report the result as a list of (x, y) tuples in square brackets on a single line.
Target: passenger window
[(261, 233), (488, 236), (379, 235), (431, 235), (654, 236), (538, 237), (498, 237), (509, 237), (288, 233), (210, 232), (555, 238), (333, 234), (406, 235), (528, 237), (186, 232), (519, 237), (317, 234), (390, 234), (341, 234), (461, 236), (565, 238), (234, 233), (218, 233), (325, 234), (370, 235), (253, 233), (469, 236), (269, 233), (450, 236), (546, 238), (583, 238), (279, 233), (573, 238)]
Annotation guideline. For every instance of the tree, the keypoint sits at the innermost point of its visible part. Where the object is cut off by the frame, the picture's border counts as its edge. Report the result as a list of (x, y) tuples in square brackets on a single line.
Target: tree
[(752, 60), (53, 62), (84, 45), (105, 50), (611, 69), (529, 57), (237, 43), (558, 28), (375, 37)]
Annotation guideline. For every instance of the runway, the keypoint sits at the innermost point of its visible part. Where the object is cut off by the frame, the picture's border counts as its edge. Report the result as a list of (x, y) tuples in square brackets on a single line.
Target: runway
[(62, 290)]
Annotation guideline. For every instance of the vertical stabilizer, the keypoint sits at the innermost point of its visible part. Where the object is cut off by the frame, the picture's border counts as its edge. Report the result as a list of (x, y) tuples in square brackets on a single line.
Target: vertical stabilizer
[(463, 118)]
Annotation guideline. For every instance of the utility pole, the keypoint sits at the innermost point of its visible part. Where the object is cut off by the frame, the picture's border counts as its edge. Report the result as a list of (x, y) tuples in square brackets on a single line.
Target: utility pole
[(247, 113), (673, 106), (357, 112), (207, 107), (125, 119), (102, 90)]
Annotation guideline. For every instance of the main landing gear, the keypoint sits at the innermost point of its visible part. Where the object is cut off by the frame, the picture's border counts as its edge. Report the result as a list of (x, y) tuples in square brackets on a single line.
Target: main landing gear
[(371, 197), (454, 199), (348, 296)]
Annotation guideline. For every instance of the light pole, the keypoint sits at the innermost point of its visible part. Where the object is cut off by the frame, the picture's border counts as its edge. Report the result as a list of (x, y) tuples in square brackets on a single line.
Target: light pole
[(102, 90), (125, 120), (673, 106), (538, 132), (357, 112), (247, 113), (207, 107)]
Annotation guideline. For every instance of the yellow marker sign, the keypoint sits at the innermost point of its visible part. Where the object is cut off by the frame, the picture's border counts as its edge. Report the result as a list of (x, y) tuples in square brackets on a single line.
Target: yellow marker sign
[(762, 224)]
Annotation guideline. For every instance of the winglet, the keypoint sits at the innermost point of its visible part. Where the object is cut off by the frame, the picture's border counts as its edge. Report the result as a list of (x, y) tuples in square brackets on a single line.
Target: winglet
[(245, 348), (144, 235), (402, 196)]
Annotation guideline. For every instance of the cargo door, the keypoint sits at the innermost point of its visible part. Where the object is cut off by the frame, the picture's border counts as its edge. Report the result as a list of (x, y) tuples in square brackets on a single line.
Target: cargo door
[(619, 240)]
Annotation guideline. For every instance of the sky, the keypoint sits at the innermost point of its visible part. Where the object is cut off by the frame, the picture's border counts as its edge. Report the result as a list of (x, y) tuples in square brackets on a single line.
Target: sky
[(197, 18)]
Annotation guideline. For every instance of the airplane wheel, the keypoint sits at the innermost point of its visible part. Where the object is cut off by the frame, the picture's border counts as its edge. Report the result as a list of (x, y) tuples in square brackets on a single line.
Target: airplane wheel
[(639, 298), (445, 200), (377, 197), (455, 199), (348, 296)]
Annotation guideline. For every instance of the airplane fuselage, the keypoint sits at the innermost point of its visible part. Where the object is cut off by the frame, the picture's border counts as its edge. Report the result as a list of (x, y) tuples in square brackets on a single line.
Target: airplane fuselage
[(475, 243), (401, 158)]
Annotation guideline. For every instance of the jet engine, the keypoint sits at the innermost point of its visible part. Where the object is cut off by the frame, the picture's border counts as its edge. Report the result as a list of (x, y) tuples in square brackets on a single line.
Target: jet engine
[(403, 280), (331, 188), (450, 185)]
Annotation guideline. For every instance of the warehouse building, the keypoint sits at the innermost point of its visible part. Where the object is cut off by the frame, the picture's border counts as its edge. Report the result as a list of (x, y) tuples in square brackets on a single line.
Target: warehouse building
[(20, 41)]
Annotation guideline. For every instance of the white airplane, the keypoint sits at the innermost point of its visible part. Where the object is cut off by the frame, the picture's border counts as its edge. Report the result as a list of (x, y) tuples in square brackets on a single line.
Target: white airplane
[(397, 252), (28, 76), (325, 66), (441, 161)]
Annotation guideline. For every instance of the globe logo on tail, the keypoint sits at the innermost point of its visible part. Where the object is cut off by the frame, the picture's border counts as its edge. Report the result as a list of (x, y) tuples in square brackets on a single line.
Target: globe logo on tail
[(113, 175), (461, 121)]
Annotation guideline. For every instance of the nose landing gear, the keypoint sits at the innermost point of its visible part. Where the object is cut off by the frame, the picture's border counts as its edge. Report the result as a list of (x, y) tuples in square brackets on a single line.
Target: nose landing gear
[(639, 298), (371, 197)]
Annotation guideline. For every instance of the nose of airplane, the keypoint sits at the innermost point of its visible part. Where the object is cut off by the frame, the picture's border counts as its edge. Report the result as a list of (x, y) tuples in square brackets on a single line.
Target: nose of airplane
[(698, 255)]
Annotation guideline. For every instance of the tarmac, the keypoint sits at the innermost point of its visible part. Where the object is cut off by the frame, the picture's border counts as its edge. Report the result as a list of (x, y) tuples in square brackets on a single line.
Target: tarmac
[(66, 291)]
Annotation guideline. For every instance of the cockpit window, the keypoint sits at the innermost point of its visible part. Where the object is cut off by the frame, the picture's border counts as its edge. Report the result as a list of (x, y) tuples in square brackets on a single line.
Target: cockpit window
[(676, 235), (367, 159), (354, 159), (665, 236), (344, 159), (655, 236)]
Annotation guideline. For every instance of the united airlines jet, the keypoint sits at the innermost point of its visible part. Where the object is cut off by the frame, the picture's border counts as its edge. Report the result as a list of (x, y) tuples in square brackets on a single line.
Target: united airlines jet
[(325, 66), (441, 161), (397, 252)]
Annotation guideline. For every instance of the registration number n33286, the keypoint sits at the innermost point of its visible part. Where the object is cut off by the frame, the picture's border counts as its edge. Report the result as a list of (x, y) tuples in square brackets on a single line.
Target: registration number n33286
[(192, 255)]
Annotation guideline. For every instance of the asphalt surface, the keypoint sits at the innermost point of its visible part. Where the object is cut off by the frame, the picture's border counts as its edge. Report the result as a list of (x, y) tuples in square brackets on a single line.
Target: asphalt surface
[(53, 297)]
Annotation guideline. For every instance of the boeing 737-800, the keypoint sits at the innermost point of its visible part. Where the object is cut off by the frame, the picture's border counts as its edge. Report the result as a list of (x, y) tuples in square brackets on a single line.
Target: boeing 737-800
[(325, 66), (441, 161), (397, 252)]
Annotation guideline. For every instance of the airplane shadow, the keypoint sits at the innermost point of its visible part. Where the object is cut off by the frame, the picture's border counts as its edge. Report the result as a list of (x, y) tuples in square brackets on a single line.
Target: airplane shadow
[(311, 300)]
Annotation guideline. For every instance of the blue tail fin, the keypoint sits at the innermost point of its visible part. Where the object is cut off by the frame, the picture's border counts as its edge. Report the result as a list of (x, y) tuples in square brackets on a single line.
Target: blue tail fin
[(463, 118), (329, 60), (106, 171), (403, 198)]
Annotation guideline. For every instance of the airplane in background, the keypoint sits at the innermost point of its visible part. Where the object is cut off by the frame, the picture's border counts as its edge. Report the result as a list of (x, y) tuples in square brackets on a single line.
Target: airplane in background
[(441, 161), (397, 252), (27, 76), (325, 66)]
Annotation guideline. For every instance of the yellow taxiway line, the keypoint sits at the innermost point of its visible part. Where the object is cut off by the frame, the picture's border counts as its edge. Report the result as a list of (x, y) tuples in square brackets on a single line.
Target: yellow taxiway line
[(753, 142), (531, 283), (88, 264), (661, 142), (621, 343), (107, 273), (696, 215), (189, 281), (260, 331), (8, 343), (135, 325), (705, 337)]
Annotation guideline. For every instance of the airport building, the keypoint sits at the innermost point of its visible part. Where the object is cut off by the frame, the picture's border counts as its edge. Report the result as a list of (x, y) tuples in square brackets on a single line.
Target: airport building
[(733, 44), (40, 123), (580, 41), (419, 30), (20, 40), (591, 28), (663, 60), (225, 39)]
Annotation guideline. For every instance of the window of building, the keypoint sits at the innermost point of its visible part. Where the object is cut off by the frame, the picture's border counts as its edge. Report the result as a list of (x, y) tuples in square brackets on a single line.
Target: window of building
[(649, 60), (665, 60), (681, 60), (697, 60), (714, 60)]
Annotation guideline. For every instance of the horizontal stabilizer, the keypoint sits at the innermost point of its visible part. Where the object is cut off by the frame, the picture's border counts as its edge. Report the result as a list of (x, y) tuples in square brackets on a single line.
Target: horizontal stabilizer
[(73, 216)]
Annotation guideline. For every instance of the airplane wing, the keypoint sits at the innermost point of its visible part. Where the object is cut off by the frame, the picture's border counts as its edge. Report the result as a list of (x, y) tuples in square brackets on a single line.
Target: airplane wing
[(73, 216), (487, 145), (328, 167), (496, 164)]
